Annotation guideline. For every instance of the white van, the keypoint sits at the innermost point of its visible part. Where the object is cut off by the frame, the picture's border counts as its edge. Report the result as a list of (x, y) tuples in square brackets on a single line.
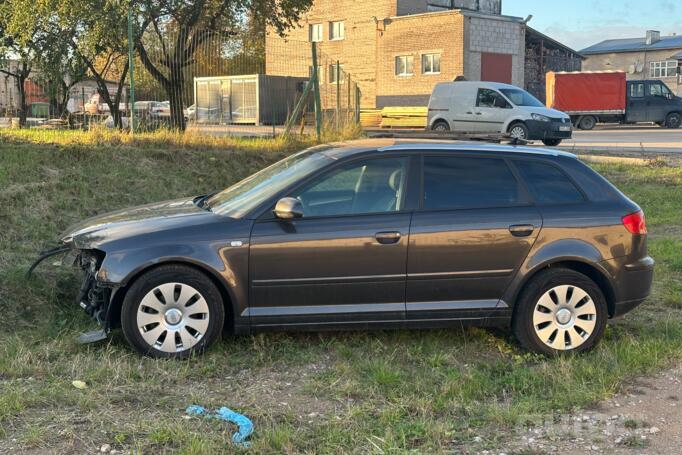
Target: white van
[(491, 107)]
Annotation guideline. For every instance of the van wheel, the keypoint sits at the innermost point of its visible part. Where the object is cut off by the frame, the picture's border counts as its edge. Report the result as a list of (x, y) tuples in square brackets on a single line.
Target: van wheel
[(673, 121), (559, 311), (518, 131), (441, 126), (551, 142), (587, 123)]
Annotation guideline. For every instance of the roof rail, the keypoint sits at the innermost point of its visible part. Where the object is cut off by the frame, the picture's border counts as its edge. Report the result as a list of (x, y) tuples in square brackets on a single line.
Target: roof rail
[(450, 136)]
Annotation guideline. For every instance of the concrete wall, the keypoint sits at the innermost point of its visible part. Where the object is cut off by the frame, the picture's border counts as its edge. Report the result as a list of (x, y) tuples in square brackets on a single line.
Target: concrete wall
[(494, 35), (406, 7), (435, 33), (623, 61)]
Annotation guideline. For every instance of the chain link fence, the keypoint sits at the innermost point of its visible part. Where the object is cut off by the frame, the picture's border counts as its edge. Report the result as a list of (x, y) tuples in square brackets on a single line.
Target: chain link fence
[(207, 82)]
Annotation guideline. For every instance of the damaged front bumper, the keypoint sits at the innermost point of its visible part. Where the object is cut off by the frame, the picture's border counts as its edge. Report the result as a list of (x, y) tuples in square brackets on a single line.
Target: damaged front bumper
[(94, 297)]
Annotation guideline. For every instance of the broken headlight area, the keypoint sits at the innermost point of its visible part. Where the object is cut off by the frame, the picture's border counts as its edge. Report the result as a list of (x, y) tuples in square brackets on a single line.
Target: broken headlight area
[(93, 297)]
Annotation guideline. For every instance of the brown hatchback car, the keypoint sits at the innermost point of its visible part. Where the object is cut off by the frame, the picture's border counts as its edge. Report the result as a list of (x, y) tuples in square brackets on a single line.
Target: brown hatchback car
[(373, 234)]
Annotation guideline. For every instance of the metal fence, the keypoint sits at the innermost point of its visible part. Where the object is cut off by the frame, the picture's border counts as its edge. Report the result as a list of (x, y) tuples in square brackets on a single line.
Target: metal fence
[(226, 85)]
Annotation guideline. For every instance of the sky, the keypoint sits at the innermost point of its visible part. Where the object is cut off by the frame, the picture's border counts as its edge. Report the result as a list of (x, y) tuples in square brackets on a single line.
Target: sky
[(581, 23)]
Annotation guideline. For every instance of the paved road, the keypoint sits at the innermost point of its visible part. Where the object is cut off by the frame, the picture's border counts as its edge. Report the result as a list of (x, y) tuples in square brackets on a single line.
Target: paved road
[(628, 138)]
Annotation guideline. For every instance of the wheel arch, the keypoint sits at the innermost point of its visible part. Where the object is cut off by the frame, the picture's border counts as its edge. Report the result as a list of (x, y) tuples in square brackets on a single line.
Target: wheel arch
[(113, 319), (600, 277)]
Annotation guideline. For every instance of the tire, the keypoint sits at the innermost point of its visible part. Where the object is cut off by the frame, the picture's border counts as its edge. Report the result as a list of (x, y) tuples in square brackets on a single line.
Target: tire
[(673, 120), (540, 320), (194, 318), (587, 123), (551, 142), (441, 126), (518, 130)]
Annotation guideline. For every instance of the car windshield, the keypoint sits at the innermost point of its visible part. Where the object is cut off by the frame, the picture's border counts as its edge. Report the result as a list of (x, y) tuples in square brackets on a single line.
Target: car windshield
[(239, 199), (521, 98)]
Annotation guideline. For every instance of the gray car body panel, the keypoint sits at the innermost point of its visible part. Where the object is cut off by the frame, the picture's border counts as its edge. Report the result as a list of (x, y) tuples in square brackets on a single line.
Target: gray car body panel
[(331, 273)]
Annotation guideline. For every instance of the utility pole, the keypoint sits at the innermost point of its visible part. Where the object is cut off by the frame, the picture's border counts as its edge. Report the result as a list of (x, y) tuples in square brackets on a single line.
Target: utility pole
[(131, 69)]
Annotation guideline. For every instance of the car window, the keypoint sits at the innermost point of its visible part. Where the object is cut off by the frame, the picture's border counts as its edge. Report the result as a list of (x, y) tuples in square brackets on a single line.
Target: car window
[(521, 97), (548, 184), (490, 98), (637, 90), (658, 89), (464, 183), (369, 186)]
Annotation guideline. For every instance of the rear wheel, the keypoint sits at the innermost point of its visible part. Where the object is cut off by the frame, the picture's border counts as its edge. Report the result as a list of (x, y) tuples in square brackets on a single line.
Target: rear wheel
[(518, 131), (551, 142), (673, 120), (172, 312), (560, 311), (587, 123), (441, 126)]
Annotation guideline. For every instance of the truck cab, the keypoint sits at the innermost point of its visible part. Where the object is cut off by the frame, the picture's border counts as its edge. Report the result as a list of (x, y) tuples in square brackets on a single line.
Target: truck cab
[(653, 101)]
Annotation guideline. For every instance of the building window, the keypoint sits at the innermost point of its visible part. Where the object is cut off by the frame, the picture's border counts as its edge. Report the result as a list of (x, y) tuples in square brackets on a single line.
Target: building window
[(336, 74), (666, 68), (337, 30), (404, 65), (316, 31), (431, 64)]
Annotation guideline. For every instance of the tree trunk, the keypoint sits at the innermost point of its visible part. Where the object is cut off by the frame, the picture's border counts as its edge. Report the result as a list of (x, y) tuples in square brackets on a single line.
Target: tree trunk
[(22, 101), (177, 115)]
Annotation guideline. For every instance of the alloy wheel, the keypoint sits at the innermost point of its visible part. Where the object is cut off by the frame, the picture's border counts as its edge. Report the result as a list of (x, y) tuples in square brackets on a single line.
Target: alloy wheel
[(518, 132), (564, 317), (173, 317)]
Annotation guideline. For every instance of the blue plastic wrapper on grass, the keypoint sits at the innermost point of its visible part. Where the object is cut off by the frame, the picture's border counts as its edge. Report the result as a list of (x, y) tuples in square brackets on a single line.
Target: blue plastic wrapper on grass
[(226, 414)]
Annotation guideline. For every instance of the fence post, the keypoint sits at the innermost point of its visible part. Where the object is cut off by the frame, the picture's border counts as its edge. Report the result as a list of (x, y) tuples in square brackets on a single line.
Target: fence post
[(348, 82), (316, 88), (338, 94), (131, 70), (357, 104)]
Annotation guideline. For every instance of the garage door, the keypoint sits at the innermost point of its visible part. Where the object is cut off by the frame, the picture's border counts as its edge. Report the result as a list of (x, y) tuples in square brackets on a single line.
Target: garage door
[(496, 67)]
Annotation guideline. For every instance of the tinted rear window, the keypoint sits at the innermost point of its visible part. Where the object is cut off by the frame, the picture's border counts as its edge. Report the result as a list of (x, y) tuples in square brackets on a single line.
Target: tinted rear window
[(464, 183), (548, 184)]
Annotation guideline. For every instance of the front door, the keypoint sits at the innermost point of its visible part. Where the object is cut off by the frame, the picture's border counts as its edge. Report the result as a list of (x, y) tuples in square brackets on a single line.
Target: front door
[(658, 101), (345, 259), (491, 111), (473, 232)]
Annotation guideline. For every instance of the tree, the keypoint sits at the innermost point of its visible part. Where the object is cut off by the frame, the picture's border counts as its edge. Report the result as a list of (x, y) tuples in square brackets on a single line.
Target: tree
[(191, 24), (94, 32)]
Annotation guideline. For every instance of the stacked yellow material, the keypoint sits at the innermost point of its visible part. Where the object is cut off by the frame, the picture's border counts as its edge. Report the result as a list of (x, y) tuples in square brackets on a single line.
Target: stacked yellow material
[(370, 118), (404, 117)]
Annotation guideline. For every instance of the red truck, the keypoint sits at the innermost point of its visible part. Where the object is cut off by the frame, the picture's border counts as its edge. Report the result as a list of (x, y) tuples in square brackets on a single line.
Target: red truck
[(608, 97)]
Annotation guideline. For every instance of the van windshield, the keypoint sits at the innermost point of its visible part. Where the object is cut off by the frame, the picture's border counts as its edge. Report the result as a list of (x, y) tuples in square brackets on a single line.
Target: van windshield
[(521, 98)]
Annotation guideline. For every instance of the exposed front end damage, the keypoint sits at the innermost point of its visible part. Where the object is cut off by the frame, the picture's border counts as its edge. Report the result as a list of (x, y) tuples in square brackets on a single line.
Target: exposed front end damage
[(94, 296)]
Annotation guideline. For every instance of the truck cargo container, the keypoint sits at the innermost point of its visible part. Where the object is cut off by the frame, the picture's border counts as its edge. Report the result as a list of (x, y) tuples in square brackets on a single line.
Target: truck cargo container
[(608, 97)]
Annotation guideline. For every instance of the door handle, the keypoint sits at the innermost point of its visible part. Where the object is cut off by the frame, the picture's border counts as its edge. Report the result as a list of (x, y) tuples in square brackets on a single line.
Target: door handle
[(388, 238), (470, 113), (521, 230)]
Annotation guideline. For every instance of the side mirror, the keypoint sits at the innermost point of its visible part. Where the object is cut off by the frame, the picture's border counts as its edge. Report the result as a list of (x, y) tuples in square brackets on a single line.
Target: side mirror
[(288, 208)]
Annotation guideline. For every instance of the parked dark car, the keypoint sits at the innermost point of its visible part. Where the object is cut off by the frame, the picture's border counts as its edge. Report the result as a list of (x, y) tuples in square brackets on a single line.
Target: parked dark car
[(374, 234)]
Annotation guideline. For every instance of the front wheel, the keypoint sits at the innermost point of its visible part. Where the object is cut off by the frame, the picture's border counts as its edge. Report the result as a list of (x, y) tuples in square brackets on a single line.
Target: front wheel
[(560, 311), (673, 120), (172, 312), (518, 131), (551, 142)]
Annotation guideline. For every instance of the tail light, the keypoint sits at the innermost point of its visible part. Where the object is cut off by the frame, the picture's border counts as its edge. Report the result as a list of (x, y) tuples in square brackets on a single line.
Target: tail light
[(635, 223)]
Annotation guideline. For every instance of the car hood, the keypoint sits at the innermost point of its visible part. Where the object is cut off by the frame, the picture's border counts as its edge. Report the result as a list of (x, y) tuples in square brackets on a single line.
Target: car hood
[(135, 221)]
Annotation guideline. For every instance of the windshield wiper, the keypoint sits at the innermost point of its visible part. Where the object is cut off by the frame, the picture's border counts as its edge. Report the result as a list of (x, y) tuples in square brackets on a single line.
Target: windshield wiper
[(202, 201)]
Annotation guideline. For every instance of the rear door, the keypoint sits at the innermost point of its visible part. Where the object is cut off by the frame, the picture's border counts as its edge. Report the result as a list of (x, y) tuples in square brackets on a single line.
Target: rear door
[(473, 231), (637, 102)]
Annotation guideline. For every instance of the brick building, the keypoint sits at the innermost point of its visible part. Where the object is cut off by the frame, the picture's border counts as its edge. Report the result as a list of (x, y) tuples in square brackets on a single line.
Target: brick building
[(648, 57), (397, 50)]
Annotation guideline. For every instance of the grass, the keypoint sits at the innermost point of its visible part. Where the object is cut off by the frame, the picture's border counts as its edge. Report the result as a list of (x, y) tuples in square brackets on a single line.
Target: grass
[(383, 392)]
